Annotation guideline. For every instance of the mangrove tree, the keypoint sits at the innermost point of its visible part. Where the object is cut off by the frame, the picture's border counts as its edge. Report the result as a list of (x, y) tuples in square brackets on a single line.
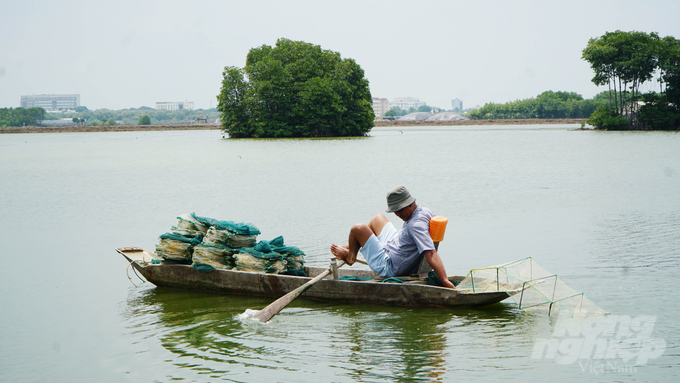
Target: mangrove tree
[(295, 89)]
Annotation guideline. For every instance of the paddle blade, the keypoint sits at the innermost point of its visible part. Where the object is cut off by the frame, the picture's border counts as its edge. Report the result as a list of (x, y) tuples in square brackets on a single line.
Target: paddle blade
[(275, 307)]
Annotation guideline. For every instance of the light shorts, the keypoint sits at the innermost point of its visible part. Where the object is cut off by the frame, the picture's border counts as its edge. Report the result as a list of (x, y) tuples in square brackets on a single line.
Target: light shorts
[(374, 251)]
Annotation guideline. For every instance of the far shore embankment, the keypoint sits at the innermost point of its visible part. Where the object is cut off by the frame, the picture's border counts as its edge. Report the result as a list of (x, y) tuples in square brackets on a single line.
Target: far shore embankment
[(378, 124), (108, 128), (527, 121)]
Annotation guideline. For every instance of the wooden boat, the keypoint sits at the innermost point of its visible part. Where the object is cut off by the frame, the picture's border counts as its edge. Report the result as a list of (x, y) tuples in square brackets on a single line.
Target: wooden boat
[(415, 292)]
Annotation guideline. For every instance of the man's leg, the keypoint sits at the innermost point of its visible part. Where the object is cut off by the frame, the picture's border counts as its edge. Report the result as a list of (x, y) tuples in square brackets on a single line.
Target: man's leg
[(377, 223), (358, 235)]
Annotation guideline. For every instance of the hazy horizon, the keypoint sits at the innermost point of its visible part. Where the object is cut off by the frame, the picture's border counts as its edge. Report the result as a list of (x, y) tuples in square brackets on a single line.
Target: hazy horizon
[(128, 54)]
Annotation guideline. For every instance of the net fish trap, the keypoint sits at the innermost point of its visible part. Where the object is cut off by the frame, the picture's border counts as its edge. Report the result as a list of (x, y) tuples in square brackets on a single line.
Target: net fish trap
[(536, 287)]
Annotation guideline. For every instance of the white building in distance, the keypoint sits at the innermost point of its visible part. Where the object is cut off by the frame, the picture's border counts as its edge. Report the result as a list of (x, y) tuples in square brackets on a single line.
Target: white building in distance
[(179, 105), (51, 101), (380, 106), (457, 104), (406, 103)]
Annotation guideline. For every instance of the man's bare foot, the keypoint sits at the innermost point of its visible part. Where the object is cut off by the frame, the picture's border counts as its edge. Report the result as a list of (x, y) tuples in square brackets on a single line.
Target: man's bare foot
[(342, 252)]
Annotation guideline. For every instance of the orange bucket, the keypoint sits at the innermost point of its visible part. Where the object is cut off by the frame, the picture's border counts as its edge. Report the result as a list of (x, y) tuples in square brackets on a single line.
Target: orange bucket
[(438, 228)]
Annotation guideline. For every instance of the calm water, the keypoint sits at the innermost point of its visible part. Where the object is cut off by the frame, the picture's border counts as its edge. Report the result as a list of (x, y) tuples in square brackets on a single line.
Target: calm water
[(600, 209)]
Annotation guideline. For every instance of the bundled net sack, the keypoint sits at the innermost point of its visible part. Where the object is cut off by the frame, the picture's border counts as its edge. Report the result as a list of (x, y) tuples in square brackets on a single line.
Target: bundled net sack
[(228, 233), (246, 229), (238, 241), (216, 256), (215, 236), (295, 258), (271, 257), (211, 244), (177, 247), (187, 224), (249, 259)]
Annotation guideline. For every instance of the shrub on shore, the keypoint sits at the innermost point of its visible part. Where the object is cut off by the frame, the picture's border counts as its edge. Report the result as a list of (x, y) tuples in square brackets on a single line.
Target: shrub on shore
[(603, 119), (144, 120)]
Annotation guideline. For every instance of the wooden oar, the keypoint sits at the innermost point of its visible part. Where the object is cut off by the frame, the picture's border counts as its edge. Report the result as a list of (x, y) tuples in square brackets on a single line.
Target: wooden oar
[(275, 307)]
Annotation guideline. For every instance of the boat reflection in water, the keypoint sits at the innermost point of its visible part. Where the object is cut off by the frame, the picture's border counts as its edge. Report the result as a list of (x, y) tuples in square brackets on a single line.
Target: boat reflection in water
[(202, 333)]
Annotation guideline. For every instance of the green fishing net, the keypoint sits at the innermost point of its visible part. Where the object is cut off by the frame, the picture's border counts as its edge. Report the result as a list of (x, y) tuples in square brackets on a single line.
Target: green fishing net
[(187, 225), (210, 244), (177, 247), (217, 256), (215, 236), (355, 278), (392, 280), (271, 257), (238, 240), (246, 229), (433, 280), (252, 260)]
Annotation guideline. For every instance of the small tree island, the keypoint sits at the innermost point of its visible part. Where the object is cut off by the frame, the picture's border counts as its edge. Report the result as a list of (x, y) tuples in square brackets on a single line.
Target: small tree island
[(625, 60), (295, 89)]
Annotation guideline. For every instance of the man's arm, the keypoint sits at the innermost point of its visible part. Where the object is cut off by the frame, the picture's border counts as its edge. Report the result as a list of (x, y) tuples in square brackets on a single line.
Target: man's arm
[(437, 265)]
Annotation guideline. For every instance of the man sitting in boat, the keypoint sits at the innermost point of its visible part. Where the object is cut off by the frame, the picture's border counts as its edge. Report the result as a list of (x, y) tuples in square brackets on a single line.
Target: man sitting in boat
[(389, 252)]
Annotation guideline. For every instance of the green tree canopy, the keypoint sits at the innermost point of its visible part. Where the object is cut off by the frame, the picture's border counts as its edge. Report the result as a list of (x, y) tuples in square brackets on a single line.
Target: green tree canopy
[(21, 116), (131, 116), (144, 120), (622, 61), (295, 89), (625, 60), (548, 104), (396, 111)]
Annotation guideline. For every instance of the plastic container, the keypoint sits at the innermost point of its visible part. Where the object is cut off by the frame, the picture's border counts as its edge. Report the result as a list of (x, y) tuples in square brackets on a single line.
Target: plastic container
[(438, 228)]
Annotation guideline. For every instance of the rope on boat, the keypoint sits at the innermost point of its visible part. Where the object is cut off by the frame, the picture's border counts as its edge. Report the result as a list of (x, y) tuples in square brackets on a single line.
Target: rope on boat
[(135, 271), (128, 274)]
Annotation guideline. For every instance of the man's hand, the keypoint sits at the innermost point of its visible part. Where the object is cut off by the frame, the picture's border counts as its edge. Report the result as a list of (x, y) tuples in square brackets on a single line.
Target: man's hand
[(437, 265)]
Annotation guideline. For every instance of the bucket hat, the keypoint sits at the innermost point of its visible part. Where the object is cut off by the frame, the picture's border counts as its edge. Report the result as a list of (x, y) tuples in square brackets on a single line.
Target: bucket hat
[(398, 198)]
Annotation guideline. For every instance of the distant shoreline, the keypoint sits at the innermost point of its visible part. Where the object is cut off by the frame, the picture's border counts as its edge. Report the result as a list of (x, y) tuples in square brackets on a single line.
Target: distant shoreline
[(527, 121), (378, 124), (108, 128)]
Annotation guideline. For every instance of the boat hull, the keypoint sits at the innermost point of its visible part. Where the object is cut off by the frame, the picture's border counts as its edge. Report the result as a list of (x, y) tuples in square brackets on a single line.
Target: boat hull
[(275, 285)]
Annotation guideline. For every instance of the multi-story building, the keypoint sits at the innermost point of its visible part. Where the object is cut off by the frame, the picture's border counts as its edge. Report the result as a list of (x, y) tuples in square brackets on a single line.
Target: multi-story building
[(457, 104), (51, 101), (380, 106), (406, 103), (175, 105)]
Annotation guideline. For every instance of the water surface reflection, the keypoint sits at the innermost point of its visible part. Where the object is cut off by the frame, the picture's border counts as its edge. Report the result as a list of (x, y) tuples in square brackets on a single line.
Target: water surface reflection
[(201, 333)]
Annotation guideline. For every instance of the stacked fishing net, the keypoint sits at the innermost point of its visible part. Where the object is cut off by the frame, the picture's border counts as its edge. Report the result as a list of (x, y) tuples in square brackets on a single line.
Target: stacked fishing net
[(532, 287), (271, 257), (205, 242), (210, 244), (178, 247), (221, 241)]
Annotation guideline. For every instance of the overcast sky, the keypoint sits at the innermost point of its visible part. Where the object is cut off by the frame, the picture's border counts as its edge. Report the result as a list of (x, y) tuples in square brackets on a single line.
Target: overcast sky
[(127, 54)]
